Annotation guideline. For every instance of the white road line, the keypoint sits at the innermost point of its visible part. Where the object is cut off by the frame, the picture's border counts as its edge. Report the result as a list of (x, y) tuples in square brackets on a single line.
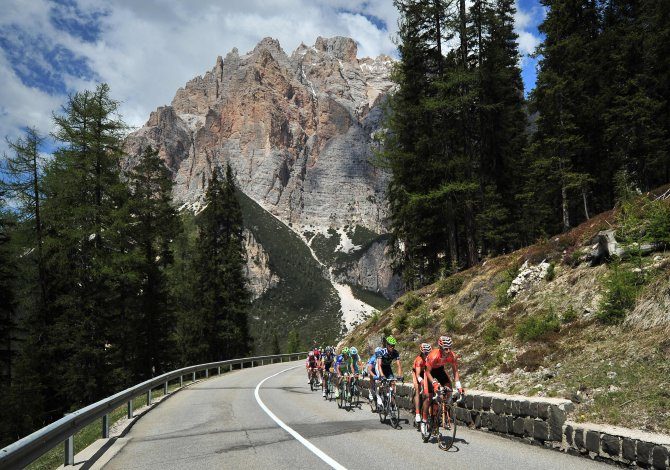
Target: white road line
[(315, 450)]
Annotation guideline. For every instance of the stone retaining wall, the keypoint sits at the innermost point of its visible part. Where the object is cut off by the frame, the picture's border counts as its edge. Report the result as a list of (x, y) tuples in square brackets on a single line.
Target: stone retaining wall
[(543, 421)]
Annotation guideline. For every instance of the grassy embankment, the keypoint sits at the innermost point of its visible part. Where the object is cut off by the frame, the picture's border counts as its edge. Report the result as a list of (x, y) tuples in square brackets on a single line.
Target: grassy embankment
[(598, 335)]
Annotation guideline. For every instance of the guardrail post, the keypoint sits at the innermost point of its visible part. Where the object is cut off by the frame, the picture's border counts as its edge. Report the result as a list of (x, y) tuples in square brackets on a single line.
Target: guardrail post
[(230, 367), (262, 362), (206, 373), (105, 427), (219, 370), (149, 397), (69, 451), (242, 365), (181, 381), (194, 376), (130, 409), (165, 387)]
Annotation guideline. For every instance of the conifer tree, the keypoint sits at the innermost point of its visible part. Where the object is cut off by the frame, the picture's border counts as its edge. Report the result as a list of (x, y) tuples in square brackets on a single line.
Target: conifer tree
[(155, 224), (221, 329), (85, 233)]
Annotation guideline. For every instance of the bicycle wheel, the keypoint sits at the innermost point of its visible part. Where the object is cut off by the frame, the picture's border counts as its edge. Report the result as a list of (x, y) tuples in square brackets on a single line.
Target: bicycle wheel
[(373, 402), (340, 399), (394, 412), (383, 409), (430, 425), (311, 382), (449, 425)]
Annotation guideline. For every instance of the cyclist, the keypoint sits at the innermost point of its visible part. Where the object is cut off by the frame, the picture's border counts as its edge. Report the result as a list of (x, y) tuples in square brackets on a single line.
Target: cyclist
[(418, 370), (326, 363), (317, 355), (435, 375), (371, 369), (311, 365), (341, 367), (384, 360), (354, 362)]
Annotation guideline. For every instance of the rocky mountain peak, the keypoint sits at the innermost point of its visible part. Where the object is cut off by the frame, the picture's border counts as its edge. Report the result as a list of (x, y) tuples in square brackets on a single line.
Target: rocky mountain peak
[(339, 47), (296, 130)]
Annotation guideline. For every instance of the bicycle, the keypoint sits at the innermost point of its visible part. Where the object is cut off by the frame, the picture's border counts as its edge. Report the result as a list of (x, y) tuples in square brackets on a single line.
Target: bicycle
[(354, 392), (389, 407), (330, 388), (442, 414), (345, 392), (313, 380)]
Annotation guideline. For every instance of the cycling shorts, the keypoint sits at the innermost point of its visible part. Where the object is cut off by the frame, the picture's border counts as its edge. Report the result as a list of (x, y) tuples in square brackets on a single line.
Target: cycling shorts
[(441, 376), (327, 365), (313, 365), (387, 371)]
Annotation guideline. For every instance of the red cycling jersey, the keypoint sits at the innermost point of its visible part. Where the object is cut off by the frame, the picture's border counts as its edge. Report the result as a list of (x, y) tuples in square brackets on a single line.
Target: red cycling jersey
[(419, 363), (436, 359)]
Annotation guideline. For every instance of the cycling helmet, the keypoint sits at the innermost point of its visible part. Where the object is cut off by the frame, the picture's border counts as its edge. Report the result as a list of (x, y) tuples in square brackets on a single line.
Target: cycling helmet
[(345, 350), (311, 354), (425, 348), (445, 342), (353, 351), (329, 350), (378, 349), (391, 340)]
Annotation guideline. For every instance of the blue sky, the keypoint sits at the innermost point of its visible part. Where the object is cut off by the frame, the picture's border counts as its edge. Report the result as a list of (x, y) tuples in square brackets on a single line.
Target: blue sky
[(146, 49)]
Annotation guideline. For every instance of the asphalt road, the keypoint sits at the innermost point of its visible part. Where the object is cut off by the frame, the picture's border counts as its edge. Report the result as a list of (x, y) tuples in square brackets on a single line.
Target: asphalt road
[(218, 423)]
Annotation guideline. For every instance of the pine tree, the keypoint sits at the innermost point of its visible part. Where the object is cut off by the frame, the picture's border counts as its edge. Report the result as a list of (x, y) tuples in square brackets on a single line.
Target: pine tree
[(561, 152), (22, 183), (7, 299), (155, 225), (85, 233), (221, 327)]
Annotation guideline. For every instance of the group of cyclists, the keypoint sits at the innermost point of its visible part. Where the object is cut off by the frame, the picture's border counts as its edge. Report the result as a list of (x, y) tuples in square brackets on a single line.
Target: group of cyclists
[(428, 370)]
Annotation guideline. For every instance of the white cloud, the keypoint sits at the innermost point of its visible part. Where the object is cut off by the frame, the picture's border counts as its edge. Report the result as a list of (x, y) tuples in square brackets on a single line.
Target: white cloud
[(147, 49)]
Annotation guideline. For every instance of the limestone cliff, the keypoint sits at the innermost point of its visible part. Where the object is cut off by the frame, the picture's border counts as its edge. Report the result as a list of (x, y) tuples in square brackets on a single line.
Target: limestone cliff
[(297, 130)]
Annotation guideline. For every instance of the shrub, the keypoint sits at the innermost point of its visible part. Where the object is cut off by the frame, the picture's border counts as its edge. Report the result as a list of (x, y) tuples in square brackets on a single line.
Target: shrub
[(451, 322), (502, 299), (538, 326), (551, 272), (570, 315), (400, 321), (449, 286), (412, 302), (532, 359), (421, 319), (621, 289), (374, 318), (491, 333)]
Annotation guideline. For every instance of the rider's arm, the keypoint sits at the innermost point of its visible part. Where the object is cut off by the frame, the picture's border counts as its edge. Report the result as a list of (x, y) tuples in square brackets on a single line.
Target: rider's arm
[(457, 378), (399, 367), (379, 367), (428, 375)]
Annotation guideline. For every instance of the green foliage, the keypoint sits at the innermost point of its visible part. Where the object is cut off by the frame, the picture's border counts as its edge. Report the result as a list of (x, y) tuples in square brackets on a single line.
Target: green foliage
[(491, 333), (293, 344), (449, 286), (420, 319), (412, 302), (621, 289), (401, 321), (643, 220), (451, 323), (221, 328), (502, 299), (551, 272), (303, 299), (536, 327), (569, 315)]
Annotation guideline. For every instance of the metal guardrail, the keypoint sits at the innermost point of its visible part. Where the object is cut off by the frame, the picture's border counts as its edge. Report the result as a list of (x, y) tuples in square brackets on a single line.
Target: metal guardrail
[(31, 447)]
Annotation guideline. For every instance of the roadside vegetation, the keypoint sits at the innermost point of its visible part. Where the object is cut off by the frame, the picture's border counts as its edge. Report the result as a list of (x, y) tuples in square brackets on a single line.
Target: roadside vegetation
[(596, 334)]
